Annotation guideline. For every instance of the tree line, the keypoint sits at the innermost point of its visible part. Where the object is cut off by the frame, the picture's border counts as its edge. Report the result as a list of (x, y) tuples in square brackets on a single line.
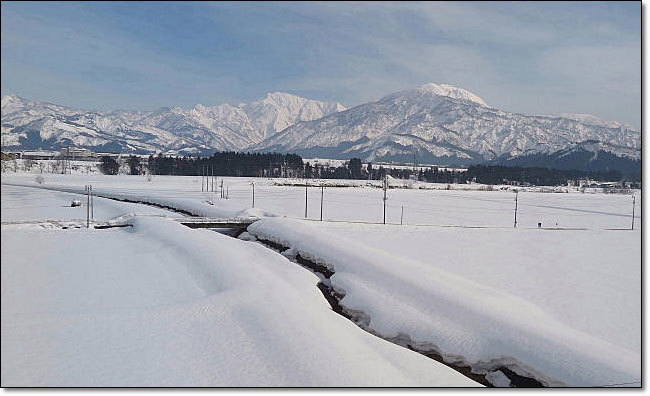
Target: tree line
[(227, 163), (230, 163), (538, 176)]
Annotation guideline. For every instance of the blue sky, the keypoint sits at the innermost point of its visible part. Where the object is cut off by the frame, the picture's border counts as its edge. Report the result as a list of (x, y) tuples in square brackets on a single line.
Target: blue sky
[(538, 58)]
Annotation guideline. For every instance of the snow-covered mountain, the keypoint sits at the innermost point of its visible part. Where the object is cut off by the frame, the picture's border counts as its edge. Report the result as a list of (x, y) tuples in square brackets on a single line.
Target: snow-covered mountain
[(436, 123), (590, 155), (29, 125), (446, 124)]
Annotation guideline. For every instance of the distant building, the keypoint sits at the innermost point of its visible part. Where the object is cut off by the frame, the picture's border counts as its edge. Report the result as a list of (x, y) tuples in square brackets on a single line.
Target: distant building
[(35, 154), (78, 153)]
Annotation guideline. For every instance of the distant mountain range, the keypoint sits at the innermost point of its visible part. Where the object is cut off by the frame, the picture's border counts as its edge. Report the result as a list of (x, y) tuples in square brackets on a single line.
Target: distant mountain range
[(202, 129), (434, 123)]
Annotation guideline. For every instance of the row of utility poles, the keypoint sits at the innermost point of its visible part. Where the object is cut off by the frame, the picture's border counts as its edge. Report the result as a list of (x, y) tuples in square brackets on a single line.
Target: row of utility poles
[(385, 186), (322, 193), (207, 178)]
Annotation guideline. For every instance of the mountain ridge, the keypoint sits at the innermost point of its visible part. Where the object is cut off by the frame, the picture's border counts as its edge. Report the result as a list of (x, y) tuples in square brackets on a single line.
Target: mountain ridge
[(27, 123), (435, 123), (423, 122)]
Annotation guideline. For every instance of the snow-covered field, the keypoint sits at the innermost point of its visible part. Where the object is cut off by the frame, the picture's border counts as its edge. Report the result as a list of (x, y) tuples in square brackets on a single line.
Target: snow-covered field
[(362, 204), (560, 305), (163, 305), (22, 205)]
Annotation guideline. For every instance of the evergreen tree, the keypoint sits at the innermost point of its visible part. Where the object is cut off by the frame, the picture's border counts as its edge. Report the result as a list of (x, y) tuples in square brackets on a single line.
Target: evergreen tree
[(134, 165), (109, 165), (355, 168)]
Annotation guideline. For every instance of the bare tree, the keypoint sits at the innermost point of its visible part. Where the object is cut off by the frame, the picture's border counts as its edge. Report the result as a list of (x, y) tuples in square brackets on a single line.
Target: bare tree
[(60, 165), (28, 164)]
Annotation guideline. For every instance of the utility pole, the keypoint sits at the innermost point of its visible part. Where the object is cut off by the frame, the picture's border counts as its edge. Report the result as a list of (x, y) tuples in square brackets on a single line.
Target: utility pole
[(92, 204), (253, 184), (305, 198), (516, 203), (633, 204), (414, 165), (401, 217), (227, 190), (202, 178), (221, 188), (385, 197), (322, 189), (87, 206)]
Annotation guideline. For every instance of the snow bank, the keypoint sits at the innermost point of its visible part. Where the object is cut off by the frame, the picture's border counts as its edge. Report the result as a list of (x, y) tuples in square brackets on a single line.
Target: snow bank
[(160, 304), (489, 320)]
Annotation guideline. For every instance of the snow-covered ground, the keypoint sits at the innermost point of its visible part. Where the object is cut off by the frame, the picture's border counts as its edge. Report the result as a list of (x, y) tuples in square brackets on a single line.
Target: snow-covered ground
[(561, 305), (361, 204), (20, 205), (160, 304)]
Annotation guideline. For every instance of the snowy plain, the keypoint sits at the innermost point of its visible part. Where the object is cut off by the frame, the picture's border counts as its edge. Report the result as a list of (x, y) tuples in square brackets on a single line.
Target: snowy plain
[(160, 304), (455, 207), (536, 301), (560, 305)]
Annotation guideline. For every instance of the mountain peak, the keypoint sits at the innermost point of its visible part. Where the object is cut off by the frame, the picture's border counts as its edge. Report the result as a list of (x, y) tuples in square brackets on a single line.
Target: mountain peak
[(452, 92), (11, 98), (278, 94), (280, 97), (12, 103), (285, 98)]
